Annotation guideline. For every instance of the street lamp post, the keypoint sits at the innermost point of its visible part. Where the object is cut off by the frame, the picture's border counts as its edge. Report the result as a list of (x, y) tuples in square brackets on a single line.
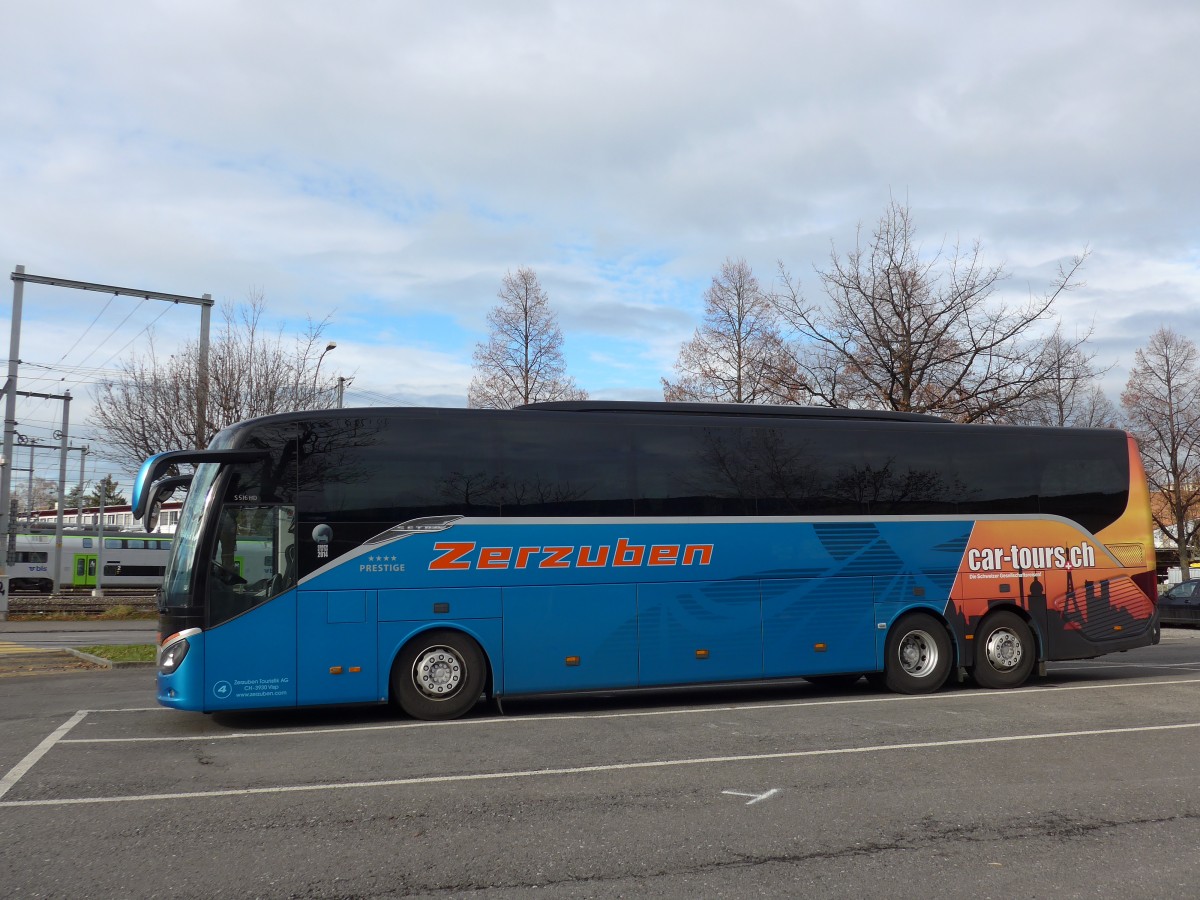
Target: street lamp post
[(332, 345)]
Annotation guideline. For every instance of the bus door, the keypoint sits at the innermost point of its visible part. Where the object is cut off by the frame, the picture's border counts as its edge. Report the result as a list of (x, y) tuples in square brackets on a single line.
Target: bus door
[(250, 641), (84, 572)]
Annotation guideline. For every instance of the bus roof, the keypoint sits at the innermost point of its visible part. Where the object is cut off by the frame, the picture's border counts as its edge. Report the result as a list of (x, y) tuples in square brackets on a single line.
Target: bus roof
[(728, 409)]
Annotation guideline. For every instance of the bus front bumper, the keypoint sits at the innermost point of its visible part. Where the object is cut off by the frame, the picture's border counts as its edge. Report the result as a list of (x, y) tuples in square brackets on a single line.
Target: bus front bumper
[(180, 678)]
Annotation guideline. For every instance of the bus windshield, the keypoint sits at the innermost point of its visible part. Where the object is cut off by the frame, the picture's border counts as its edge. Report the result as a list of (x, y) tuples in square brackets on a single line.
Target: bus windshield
[(178, 584)]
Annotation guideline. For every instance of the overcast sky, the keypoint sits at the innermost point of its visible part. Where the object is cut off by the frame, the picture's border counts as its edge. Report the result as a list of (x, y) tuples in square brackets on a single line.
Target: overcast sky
[(383, 165)]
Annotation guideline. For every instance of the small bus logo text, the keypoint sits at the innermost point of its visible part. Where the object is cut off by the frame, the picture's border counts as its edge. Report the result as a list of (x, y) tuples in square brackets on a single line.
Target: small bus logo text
[(462, 556)]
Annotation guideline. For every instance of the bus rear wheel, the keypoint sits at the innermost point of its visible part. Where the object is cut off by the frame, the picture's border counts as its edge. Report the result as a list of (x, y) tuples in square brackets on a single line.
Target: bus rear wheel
[(918, 656), (1004, 651), (439, 675)]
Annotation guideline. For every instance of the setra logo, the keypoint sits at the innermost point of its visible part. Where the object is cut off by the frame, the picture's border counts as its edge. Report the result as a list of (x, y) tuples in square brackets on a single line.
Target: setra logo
[(462, 556)]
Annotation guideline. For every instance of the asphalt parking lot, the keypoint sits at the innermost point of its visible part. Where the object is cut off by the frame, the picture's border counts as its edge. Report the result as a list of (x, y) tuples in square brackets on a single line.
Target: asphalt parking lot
[(1078, 785)]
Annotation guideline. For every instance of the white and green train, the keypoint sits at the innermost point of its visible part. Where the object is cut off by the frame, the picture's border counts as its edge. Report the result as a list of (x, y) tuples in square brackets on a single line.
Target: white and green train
[(130, 560)]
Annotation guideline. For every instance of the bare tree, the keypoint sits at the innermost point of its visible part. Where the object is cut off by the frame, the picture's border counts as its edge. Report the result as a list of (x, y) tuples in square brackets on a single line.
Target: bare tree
[(1069, 393), (737, 355), (1162, 404), (151, 407), (45, 492), (917, 333), (521, 361)]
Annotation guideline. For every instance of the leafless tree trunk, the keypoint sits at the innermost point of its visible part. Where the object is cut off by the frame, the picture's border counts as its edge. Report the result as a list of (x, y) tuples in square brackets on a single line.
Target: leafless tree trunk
[(917, 334), (521, 361), (1162, 403), (737, 355), (151, 407)]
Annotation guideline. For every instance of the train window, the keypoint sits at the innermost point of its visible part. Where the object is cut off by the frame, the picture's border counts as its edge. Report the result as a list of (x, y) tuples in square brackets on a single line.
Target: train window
[(87, 544), (124, 571)]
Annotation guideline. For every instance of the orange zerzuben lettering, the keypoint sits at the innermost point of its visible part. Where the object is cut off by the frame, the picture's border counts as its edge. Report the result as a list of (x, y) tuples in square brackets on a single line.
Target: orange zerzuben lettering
[(461, 556)]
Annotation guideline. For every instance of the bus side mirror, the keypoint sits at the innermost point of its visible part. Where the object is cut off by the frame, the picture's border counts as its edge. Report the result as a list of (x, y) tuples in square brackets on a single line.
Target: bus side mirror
[(158, 494), (153, 513)]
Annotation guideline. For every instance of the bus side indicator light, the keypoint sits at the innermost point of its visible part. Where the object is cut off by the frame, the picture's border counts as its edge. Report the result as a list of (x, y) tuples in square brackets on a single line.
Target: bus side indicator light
[(335, 670), (1118, 627), (820, 648), (572, 660), (354, 669), (701, 654)]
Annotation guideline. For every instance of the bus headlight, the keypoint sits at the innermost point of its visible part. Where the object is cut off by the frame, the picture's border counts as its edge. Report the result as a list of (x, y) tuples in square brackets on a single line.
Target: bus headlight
[(173, 651)]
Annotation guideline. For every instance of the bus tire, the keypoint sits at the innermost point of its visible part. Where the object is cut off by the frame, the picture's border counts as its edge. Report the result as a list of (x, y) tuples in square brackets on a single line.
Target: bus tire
[(439, 674), (1005, 652), (918, 657)]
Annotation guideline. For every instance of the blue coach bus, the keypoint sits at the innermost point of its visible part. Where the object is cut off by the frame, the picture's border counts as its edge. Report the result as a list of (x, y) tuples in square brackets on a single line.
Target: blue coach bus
[(434, 557)]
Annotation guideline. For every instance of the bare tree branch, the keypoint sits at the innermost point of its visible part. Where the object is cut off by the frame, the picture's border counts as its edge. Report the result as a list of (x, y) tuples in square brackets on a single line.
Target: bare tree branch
[(1162, 403), (521, 361), (1068, 394), (737, 355), (151, 407), (914, 333)]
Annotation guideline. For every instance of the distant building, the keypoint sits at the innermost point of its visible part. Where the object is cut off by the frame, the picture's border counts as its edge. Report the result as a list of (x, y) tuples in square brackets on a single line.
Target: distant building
[(116, 518)]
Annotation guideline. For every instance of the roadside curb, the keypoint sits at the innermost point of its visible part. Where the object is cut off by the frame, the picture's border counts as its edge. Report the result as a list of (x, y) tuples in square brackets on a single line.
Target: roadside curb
[(107, 663)]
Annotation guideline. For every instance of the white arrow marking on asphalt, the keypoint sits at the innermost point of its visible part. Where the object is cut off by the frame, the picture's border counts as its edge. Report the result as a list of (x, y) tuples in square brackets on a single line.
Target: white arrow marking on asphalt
[(755, 797)]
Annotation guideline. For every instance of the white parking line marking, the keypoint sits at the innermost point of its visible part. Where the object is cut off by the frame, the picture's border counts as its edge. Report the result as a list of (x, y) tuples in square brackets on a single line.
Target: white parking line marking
[(690, 711), (754, 798), (588, 770), (1055, 667), (16, 772)]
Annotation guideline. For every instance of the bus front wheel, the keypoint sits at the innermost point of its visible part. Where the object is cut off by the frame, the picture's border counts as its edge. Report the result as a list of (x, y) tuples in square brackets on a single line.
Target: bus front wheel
[(918, 656), (1004, 651), (439, 675)]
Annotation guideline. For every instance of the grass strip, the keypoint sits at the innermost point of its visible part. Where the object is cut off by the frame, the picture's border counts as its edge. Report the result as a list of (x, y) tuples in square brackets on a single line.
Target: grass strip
[(122, 652)]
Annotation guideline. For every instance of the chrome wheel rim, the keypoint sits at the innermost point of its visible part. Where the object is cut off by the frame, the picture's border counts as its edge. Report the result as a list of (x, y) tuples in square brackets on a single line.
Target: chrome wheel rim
[(438, 673), (1004, 650), (918, 653)]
